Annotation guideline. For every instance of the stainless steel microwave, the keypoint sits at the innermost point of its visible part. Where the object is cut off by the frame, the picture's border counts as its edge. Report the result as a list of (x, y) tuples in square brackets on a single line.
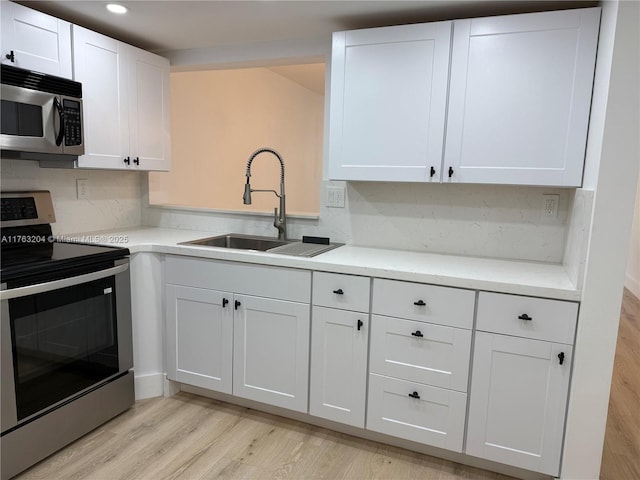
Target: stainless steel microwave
[(41, 115)]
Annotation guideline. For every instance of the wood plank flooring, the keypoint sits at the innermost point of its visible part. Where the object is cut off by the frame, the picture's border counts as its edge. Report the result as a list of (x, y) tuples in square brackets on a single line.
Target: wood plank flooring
[(190, 437)]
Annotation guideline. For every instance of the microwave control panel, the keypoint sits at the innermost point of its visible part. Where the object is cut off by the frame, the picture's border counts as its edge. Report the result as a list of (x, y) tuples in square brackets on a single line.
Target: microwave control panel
[(72, 122)]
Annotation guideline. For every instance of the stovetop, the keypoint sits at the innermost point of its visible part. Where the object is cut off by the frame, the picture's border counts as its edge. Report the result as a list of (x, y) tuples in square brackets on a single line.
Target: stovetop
[(28, 248)]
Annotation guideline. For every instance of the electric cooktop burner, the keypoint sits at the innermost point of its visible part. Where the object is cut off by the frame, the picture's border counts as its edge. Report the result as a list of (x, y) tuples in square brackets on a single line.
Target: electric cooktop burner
[(28, 246)]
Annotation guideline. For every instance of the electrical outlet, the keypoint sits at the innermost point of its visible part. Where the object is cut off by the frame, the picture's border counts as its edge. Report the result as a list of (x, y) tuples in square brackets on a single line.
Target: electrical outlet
[(335, 197), (82, 188), (550, 206)]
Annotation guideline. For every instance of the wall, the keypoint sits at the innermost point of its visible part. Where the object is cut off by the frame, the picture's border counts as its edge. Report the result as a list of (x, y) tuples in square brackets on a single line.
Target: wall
[(612, 160), (114, 197), (632, 280), (219, 118)]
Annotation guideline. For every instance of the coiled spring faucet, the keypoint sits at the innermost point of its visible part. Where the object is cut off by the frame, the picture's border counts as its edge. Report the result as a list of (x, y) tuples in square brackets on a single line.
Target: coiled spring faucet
[(280, 219)]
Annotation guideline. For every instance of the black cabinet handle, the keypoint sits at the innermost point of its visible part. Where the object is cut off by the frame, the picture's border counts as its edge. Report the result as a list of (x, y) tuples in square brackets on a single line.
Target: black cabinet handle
[(136, 160), (11, 56), (225, 302), (58, 106), (417, 333), (414, 395), (450, 172), (237, 304), (338, 292), (420, 303), (127, 161), (432, 172), (561, 357), (360, 324), (524, 316)]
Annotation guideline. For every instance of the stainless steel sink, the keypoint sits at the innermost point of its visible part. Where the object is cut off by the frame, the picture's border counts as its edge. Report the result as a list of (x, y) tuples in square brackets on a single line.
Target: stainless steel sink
[(239, 241)]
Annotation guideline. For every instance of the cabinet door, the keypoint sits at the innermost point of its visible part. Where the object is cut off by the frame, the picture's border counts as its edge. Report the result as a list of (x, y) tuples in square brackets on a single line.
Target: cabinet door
[(388, 101), (149, 110), (271, 351), (39, 42), (100, 63), (518, 401), (200, 337), (339, 365), (520, 96)]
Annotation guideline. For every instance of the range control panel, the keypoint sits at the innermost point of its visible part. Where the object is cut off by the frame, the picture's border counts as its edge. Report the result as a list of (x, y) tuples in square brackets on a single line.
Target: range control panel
[(26, 208)]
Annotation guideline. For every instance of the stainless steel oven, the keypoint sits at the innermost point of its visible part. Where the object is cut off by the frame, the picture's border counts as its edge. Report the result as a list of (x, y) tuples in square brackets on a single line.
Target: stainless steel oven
[(65, 336), (41, 115)]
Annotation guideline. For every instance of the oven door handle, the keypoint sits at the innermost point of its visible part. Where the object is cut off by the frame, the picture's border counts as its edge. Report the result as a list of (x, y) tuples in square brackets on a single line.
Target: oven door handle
[(62, 283)]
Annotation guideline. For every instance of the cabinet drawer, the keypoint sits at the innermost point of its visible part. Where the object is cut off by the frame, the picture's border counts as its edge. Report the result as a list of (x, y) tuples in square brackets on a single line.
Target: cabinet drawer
[(420, 352), (335, 290), (426, 303), (435, 417), (536, 318)]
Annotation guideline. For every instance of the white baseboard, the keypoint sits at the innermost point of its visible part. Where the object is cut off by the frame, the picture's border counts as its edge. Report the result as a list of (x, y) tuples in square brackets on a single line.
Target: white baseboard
[(632, 284), (149, 386)]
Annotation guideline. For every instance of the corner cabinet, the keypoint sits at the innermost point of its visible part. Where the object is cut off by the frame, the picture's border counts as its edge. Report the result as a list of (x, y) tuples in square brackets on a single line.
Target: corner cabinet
[(516, 94), (239, 329), (388, 102), (126, 104), (35, 41), (520, 380)]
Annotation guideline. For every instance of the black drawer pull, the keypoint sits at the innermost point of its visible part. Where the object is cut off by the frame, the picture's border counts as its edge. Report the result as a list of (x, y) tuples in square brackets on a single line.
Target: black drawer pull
[(561, 357), (360, 324), (338, 292), (237, 304), (524, 316), (127, 161), (11, 56), (417, 333), (224, 302), (420, 303), (414, 395), (432, 172)]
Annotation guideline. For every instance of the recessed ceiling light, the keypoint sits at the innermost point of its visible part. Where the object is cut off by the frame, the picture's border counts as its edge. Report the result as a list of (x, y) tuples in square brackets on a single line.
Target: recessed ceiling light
[(115, 8)]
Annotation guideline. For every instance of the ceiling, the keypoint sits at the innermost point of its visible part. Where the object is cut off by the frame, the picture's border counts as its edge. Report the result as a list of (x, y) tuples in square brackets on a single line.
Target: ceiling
[(170, 25)]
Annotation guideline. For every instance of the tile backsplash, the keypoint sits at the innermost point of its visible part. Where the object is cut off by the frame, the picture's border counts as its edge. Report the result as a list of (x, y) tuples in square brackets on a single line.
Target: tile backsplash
[(114, 196), (475, 220)]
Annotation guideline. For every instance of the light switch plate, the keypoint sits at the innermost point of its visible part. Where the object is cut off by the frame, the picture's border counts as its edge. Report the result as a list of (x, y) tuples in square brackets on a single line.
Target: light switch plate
[(82, 188), (335, 197)]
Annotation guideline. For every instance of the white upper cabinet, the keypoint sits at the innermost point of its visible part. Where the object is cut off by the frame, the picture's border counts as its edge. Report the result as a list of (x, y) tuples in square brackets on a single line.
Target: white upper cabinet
[(126, 104), (388, 102), (149, 110), (35, 41), (515, 92), (100, 64), (520, 97)]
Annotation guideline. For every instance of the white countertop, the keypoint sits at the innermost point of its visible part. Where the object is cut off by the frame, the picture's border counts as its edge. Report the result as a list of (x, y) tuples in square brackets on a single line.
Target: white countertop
[(508, 276)]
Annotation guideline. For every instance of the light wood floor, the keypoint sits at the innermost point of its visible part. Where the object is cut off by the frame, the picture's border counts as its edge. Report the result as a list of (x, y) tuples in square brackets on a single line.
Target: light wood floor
[(189, 437)]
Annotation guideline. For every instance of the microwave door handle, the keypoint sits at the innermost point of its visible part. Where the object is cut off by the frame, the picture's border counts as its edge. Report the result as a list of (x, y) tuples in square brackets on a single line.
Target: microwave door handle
[(62, 283), (58, 106)]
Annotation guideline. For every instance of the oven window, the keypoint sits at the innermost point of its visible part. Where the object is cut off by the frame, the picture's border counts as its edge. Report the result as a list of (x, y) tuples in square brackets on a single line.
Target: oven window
[(63, 342), (21, 119)]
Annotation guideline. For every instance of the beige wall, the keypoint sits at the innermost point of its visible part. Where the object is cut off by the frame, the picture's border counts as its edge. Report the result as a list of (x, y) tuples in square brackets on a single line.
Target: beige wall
[(219, 118), (632, 281)]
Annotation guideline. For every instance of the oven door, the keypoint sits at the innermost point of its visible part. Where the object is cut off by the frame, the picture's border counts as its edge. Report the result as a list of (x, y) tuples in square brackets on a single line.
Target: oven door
[(62, 338)]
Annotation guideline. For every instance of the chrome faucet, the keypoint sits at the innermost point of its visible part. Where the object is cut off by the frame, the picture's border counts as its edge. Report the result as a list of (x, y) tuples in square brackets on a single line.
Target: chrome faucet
[(280, 219)]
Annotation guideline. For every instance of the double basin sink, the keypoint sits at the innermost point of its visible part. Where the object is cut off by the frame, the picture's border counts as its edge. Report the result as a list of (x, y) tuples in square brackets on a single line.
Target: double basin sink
[(258, 243)]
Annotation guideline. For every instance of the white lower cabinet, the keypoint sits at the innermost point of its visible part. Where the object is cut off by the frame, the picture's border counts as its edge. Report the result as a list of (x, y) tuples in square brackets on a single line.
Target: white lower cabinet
[(241, 341), (339, 365), (271, 351), (518, 401), (520, 384), (418, 412), (200, 326)]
